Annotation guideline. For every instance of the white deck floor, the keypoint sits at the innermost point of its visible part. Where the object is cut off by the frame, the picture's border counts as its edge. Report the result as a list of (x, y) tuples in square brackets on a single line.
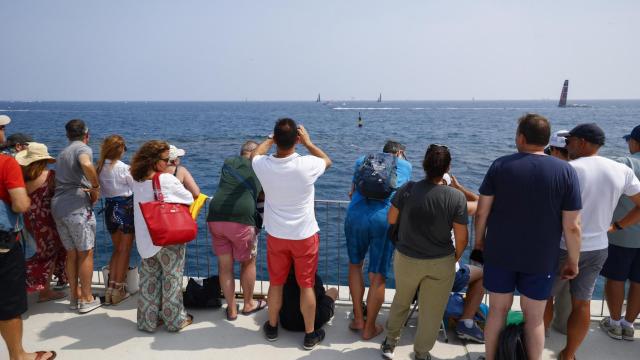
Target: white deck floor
[(110, 333)]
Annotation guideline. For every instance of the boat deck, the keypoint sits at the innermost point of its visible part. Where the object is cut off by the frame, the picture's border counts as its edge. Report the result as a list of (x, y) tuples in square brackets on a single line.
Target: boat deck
[(110, 333)]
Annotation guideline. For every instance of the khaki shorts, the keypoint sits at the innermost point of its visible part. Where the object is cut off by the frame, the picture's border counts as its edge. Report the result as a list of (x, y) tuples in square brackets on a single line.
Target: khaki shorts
[(77, 230)]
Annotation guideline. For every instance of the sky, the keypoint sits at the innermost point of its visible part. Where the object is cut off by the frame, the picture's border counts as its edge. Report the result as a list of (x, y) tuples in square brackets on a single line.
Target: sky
[(194, 50)]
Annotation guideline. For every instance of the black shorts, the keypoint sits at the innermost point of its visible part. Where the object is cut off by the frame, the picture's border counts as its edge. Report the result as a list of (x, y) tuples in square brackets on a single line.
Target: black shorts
[(622, 264), (13, 301)]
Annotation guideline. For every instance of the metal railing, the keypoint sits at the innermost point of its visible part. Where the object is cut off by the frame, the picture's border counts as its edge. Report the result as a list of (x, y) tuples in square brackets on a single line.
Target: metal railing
[(333, 261)]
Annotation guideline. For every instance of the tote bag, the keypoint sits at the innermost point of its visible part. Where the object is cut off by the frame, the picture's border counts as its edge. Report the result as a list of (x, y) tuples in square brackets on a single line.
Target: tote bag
[(168, 223)]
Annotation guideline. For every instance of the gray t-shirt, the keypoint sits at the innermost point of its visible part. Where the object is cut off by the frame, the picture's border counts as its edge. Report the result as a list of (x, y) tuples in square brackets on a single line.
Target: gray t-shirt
[(427, 215), (70, 181), (630, 236)]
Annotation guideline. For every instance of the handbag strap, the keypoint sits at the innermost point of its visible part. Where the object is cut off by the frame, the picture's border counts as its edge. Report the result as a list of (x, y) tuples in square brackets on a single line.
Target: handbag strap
[(242, 180), (157, 190)]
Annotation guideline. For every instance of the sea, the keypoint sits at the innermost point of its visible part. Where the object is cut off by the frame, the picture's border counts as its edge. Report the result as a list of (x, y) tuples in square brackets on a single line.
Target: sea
[(476, 132)]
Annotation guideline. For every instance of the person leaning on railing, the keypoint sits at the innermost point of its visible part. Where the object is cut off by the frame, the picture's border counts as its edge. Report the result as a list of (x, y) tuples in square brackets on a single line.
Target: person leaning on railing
[(116, 183), (425, 256), (161, 268)]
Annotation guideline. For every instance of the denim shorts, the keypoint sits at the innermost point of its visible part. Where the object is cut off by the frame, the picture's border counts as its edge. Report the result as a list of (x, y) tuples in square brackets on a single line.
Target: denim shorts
[(118, 214)]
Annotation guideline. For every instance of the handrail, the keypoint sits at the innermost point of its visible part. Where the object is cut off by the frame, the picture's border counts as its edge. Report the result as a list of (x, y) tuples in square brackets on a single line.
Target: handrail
[(333, 260)]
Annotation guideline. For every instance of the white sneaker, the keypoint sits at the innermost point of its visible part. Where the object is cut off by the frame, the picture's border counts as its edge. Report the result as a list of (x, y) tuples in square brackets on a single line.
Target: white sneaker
[(85, 307)]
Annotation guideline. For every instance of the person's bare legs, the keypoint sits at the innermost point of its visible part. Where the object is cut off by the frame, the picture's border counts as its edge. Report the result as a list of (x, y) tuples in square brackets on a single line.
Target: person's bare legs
[(248, 281), (85, 269), (11, 331), (533, 311), (113, 267), (499, 306), (72, 274), (122, 247), (577, 327), (475, 293), (274, 301), (633, 302), (614, 293), (307, 308), (375, 298), (548, 313), (356, 288), (227, 282)]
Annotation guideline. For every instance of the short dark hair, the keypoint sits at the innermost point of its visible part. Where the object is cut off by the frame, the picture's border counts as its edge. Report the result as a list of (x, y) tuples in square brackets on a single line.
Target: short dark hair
[(76, 129), (436, 161), (392, 147), (285, 133), (535, 129)]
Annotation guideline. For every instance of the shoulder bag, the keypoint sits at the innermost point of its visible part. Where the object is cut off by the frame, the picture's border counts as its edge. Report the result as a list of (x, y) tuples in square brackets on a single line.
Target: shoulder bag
[(168, 223)]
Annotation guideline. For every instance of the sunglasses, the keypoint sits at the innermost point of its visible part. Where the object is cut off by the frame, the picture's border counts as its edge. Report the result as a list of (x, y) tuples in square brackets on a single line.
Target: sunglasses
[(165, 160), (125, 148)]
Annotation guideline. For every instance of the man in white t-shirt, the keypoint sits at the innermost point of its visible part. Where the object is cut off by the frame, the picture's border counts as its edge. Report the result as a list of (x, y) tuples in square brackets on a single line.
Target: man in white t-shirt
[(602, 182), (288, 179)]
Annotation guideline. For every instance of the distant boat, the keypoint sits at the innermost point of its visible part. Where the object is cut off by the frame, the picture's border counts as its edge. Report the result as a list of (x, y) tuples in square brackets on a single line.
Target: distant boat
[(563, 94), (380, 97), (563, 98), (318, 99), (360, 122)]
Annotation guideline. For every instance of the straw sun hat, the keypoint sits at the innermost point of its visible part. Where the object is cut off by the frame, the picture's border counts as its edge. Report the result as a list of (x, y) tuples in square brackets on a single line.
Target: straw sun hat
[(34, 152)]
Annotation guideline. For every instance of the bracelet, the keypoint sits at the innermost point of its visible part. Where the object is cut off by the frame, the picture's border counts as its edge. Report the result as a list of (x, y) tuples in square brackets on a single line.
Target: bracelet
[(617, 225)]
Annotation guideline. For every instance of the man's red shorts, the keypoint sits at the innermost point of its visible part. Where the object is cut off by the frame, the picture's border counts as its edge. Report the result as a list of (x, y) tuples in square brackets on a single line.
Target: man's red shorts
[(303, 254)]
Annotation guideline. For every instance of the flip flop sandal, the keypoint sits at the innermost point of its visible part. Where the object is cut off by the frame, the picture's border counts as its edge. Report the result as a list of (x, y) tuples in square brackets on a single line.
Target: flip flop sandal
[(261, 305), (40, 355), (229, 318)]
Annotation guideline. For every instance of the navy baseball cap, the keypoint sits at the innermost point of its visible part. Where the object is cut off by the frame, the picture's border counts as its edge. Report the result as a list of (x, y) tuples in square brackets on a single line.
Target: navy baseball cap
[(635, 134), (590, 132)]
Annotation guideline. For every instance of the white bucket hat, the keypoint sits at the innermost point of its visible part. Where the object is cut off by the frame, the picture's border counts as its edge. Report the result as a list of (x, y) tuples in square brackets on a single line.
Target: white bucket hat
[(559, 139), (34, 152), (4, 120)]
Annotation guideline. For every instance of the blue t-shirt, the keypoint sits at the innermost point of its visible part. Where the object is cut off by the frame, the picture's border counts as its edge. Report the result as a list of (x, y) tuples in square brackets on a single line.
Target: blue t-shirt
[(403, 174), (525, 223)]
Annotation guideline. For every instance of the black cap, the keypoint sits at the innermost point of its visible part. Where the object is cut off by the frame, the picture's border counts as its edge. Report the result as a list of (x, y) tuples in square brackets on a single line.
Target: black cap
[(18, 138), (635, 134), (590, 132)]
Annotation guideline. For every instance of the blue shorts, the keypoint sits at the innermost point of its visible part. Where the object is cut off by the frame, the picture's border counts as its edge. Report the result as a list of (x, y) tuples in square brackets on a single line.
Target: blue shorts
[(502, 281), (622, 264), (462, 278), (365, 229)]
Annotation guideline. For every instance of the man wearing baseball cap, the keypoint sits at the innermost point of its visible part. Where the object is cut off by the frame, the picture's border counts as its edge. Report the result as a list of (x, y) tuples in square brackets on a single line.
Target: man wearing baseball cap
[(557, 145), (623, 262), (16, 142), (602, 183)]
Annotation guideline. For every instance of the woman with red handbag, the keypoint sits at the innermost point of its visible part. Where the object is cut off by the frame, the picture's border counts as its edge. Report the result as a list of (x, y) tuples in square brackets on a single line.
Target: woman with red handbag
[(162, 231)]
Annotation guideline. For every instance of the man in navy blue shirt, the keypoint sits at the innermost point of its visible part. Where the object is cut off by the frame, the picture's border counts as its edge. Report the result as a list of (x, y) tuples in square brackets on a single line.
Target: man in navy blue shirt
[(527, 200)]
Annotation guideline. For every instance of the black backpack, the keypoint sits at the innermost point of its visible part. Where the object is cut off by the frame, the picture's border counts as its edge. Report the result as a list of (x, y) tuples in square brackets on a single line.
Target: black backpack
[(511, 345), (376, 178), (207, 295)]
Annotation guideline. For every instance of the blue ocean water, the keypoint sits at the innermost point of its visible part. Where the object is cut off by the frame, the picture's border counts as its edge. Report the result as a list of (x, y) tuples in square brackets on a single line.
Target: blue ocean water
[(476, 132)]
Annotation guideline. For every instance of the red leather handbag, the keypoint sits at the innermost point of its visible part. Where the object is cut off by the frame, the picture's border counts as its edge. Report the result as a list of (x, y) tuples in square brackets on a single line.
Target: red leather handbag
[(168, 223)]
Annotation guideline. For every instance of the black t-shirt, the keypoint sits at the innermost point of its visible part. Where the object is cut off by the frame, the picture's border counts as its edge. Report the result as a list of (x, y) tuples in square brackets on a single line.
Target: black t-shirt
[(290, 315), (426, 218), (525, 223)]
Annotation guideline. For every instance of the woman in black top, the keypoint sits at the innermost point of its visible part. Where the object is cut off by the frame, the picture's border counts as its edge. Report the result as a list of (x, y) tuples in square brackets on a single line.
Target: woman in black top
[(425, 257)]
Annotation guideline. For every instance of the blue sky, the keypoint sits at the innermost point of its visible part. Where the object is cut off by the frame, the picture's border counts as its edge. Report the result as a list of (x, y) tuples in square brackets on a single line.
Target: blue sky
[(292, 50)]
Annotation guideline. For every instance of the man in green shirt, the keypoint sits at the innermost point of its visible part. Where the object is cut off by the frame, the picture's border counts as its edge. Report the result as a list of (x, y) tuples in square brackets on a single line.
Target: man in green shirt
[(623, 262), (234, 225)]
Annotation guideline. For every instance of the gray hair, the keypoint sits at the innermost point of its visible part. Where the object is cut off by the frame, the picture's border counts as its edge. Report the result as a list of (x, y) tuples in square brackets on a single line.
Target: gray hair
[(248, 147)]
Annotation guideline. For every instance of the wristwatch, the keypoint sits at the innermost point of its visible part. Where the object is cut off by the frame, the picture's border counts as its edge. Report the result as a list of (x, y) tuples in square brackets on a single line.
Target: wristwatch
[(617, 226)]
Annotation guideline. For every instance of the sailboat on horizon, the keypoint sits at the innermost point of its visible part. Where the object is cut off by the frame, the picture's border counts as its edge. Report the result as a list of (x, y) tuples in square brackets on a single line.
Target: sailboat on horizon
[(380, 97), (563, 98), (318, 99)]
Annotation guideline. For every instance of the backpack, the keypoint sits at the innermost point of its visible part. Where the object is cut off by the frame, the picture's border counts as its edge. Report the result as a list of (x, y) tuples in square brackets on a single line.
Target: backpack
[(376, 178), (511, 345), (203, 296)]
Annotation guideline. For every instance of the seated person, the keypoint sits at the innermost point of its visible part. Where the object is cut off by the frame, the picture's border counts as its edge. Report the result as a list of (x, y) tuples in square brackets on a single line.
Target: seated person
[(290, 315), (469, 276)]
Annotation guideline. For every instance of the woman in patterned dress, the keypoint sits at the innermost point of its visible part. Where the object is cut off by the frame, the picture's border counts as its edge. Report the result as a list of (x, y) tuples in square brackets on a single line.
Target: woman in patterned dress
[(161, 269), (50, 255)]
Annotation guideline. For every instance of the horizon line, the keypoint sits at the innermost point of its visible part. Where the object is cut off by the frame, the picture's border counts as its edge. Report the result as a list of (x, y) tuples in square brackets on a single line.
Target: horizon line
[(314, 101)]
